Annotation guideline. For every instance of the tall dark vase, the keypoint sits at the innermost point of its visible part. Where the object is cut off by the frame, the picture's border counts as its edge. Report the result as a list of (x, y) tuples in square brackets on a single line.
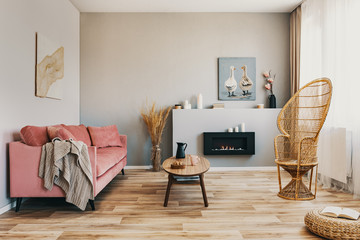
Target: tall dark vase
[(272, 101)]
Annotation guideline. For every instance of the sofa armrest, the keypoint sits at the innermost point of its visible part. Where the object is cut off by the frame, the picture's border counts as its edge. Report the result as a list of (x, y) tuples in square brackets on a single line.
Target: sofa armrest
[(24, 168), (24, 171), (92, 157), (123, 140)]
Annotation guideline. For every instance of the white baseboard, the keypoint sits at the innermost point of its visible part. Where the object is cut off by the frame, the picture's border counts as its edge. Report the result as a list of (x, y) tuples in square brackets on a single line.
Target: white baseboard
[(138, 167), (219, 169), (231, 169), (7, 207)]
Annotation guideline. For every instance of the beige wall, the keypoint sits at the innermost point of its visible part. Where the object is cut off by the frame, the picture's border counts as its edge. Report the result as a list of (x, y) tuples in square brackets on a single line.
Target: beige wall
[(19, 20), (127, 58)]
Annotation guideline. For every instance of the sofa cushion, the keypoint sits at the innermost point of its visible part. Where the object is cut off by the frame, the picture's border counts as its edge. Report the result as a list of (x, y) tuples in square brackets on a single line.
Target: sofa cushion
[(79, 132), (34, 135), (106, 158), (59, 132), (107, 136)]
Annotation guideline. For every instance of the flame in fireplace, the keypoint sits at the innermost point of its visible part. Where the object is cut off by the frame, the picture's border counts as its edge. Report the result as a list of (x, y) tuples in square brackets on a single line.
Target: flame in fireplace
[(227, 148)]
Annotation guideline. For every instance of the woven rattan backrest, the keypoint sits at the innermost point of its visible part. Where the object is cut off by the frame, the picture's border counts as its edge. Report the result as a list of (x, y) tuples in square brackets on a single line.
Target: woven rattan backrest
[(304, 114)]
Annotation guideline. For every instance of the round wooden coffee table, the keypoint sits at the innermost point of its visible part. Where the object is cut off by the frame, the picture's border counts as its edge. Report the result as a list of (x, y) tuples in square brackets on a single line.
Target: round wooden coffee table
[(198, 170)]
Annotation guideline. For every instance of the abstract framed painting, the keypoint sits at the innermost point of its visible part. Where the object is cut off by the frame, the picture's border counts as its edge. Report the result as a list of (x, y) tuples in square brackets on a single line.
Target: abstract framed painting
[(237, 78), (49, 68)]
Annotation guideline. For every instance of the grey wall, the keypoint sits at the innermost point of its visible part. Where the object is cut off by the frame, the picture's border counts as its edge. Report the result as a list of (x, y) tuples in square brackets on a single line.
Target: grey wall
[(127, 58), (19, 20), (189, 126)]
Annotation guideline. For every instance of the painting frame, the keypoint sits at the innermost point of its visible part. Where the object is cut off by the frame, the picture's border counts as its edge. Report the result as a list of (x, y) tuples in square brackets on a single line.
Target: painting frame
[(237, 78)]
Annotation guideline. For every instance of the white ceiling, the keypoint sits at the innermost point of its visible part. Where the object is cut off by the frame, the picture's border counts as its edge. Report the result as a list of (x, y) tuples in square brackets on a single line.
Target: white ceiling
[(186, 5)]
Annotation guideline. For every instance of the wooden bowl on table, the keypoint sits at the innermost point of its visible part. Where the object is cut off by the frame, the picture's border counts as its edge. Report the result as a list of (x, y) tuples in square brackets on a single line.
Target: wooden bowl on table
[(178, 164)]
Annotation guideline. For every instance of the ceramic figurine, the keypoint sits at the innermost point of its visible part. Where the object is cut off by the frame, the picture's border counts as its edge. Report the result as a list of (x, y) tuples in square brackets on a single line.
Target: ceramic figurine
[(245, 83), (230, 84)]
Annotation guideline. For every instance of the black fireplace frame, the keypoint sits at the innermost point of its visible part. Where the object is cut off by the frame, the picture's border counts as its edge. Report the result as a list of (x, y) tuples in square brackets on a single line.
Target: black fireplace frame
[(249, 138)]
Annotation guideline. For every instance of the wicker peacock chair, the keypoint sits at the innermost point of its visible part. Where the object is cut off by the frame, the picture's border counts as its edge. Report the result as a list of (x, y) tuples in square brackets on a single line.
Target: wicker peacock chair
[(300, 122)]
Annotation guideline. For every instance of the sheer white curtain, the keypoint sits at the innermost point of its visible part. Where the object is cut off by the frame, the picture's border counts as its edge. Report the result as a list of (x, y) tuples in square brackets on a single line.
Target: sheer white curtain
[(330, 47)]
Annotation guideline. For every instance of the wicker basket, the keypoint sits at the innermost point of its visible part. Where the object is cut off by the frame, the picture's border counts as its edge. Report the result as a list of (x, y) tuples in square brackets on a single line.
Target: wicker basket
[(332, 228)]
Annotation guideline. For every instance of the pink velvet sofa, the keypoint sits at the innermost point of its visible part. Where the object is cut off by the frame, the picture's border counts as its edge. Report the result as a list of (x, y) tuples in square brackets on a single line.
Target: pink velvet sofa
[(107, 153)]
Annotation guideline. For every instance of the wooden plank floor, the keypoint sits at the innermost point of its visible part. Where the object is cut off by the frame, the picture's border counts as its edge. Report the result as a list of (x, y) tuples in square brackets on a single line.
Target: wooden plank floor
[(242, 205)]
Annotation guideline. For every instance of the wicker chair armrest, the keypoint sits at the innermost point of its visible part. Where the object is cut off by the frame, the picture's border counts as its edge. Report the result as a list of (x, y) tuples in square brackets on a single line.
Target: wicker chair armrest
[(307, 139), (307, 150), (281, 136), (279, 142)]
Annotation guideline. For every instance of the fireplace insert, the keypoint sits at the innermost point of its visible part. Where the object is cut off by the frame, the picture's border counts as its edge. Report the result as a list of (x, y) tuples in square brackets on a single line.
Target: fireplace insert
[(224, 143)]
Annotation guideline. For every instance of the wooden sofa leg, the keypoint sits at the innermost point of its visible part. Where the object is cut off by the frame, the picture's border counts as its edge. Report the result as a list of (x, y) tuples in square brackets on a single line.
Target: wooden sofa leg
[(123, 171), (92, 204), (18, 203)]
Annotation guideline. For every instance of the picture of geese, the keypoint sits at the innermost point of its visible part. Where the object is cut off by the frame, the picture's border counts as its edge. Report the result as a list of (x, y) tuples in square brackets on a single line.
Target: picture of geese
[(237, 78), (245, 83), (231, 84)]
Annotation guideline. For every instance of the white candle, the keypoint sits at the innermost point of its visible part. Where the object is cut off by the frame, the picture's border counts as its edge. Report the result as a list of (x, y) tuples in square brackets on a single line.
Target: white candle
[(236, 129), (230, 130), (199, 101), (186, 103), (242, 126)]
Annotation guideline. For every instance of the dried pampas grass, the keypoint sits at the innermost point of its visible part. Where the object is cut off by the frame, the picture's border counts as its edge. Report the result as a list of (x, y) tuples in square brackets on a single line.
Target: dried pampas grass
[(155, 120)]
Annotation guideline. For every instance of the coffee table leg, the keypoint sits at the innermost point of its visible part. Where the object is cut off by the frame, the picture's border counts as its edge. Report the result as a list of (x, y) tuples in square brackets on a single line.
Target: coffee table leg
[(202, 184), (170, 182)]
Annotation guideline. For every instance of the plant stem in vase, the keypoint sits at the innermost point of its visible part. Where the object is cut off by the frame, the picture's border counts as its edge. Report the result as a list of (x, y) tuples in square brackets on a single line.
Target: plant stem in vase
[(156, 158), (155, 120), (269, 87)]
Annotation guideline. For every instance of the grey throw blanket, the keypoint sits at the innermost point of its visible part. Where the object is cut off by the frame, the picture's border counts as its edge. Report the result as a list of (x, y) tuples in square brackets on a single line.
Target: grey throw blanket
[(67, 164)]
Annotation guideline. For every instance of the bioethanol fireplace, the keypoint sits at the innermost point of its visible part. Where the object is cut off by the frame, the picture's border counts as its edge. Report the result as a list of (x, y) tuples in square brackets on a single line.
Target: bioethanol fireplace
[(223, 143)]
